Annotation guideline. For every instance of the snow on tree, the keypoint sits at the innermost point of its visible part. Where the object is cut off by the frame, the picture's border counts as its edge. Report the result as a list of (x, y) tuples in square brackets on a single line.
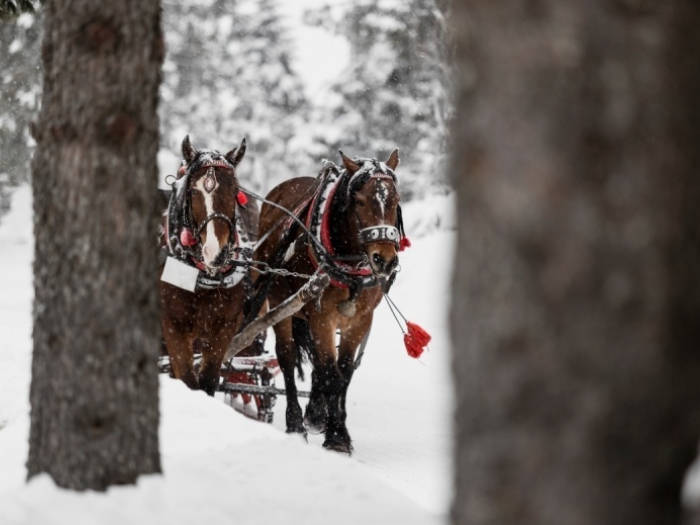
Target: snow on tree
[(228, 74), (12, 8), (395, 91), (20, 93), (229, 71)]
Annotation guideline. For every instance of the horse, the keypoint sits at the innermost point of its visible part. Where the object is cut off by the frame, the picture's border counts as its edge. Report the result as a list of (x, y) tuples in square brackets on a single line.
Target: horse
[(353, 231), (208, 240)]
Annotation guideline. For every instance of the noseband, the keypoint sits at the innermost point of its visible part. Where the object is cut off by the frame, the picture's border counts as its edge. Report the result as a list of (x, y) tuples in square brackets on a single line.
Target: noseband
[(383, 233)]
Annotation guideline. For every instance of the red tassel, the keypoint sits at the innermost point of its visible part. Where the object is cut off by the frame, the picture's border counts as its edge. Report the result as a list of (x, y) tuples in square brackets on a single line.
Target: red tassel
[(418, 334), (413, 348), (186, 237), (242, 198), (404, 243)]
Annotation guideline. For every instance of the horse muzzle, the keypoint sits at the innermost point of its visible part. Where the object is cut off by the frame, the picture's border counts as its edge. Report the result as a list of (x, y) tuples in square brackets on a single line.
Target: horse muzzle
[(383, 262)]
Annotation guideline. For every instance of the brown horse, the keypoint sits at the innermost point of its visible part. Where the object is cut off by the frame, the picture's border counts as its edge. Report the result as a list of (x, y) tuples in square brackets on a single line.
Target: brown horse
[(207, 242), (354, 223)]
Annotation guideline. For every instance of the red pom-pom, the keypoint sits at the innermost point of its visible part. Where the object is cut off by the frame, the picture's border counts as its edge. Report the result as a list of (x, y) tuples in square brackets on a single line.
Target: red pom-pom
[(242, 198), (181, 171), (404, 243), (416, 332), (186, 237), (413, 347)]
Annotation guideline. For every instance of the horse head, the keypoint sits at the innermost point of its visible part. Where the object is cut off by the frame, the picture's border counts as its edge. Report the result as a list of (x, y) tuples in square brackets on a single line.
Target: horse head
[(373, 200), (212, 188)]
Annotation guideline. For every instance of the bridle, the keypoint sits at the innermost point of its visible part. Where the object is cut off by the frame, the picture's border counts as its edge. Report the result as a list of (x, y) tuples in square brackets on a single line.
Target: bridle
[(183, 233), (340, 268), (372, 169)]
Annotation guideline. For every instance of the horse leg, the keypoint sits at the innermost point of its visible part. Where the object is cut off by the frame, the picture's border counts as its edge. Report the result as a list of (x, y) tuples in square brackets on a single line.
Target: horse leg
[(350, 340), (330, 383), (316, 412), (212, 356), (179, 347), (286, 356)]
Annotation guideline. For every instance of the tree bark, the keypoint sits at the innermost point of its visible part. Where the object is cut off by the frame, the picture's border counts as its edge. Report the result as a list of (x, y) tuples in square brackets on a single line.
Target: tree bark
[(94, 391), (576, 280)]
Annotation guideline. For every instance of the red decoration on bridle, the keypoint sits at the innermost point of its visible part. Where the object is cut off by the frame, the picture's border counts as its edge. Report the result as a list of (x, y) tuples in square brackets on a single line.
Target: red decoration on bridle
[(242, 198), (187, 238), (404, 243)]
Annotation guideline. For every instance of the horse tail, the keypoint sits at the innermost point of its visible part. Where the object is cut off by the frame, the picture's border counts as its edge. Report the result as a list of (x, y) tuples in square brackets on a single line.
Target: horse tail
[(304, 343)]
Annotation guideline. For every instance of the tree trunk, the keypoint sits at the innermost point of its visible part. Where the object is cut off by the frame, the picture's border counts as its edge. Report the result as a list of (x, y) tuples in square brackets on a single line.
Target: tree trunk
[(94, 392), (575, 317)]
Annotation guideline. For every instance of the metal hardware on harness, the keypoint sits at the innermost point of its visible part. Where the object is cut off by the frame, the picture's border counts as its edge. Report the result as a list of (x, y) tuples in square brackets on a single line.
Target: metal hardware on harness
[(266, 268), (211, 217), (382, 233)]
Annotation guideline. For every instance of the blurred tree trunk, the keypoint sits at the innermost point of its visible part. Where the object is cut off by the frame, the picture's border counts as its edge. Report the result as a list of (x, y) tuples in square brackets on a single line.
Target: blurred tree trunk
[(575, 317), (94, 391)]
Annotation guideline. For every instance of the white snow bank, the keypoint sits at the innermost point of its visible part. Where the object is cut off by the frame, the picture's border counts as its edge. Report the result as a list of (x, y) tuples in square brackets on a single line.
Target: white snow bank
[(218, 468), (15, 307)]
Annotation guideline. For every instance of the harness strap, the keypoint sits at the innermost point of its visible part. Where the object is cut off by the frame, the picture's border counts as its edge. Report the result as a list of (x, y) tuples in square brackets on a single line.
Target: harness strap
[(342, 275)]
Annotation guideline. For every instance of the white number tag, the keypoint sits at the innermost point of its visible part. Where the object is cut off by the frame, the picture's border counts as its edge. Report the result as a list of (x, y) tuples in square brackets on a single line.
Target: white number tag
[(180, 274)]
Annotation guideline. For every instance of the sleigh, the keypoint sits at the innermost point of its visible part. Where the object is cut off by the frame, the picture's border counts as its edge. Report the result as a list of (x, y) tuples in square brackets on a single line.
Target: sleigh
[(248, 384)]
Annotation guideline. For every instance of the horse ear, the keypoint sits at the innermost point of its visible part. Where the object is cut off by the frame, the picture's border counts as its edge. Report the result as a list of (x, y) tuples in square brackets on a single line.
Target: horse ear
[(393, 160), (236, 154), (189, 152), (349, 164)]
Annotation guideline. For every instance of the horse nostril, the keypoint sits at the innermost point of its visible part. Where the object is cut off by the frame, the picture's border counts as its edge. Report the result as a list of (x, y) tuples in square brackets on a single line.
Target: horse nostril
[(378, 260), (392, 264)]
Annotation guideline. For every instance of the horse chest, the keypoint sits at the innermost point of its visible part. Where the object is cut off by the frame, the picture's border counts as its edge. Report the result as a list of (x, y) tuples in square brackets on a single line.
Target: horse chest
[(204, 312)]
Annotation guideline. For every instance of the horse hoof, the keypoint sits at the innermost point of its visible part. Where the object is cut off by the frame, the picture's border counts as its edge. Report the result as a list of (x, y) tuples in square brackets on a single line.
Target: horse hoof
[(315, 427), (315, 417), (300, 429), (337, 446), (338, 442)]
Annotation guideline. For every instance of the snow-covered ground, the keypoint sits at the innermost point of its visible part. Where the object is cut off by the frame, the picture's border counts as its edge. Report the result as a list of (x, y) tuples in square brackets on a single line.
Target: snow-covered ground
[(217, 464)]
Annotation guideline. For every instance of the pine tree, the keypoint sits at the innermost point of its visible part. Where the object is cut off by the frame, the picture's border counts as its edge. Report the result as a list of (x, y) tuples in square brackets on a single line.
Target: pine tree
[(395, 91), (12, 8), (228, 73)]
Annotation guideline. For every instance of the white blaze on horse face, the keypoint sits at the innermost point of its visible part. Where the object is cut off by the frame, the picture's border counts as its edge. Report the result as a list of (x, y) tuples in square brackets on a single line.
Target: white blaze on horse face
[(211, 247), (381, 196)]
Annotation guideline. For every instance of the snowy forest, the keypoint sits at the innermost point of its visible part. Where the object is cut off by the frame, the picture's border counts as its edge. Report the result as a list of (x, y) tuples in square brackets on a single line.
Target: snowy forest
[(230, 70), (323, 261)]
